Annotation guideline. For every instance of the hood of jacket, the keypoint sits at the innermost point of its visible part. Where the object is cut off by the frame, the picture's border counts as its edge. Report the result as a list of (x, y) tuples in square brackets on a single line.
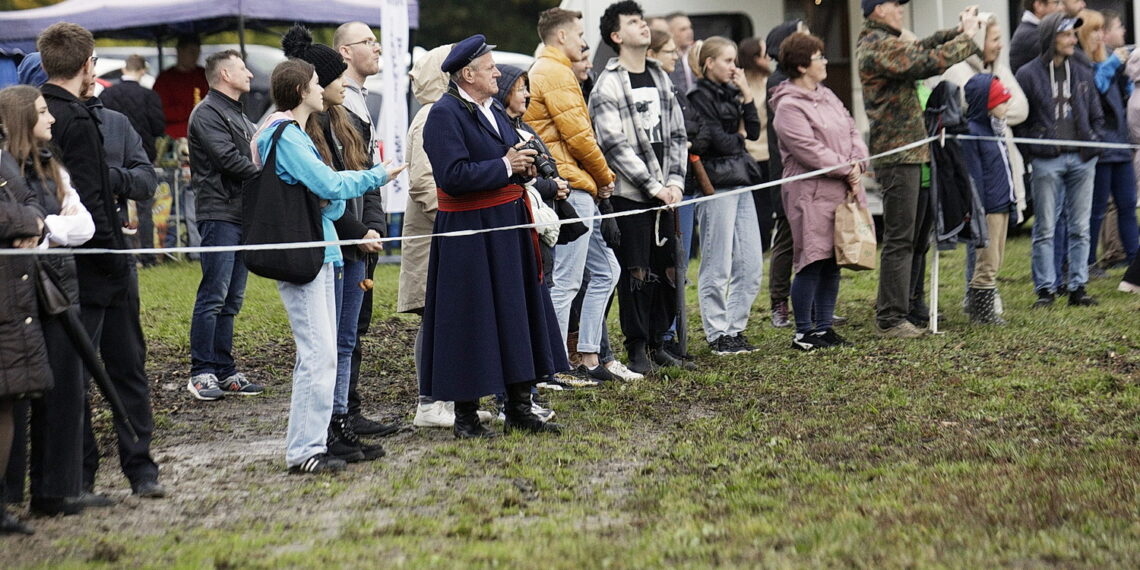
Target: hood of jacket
[(788, 91), (977, 91), (429, 82), (1046, 35), (508, 75), (1132, 69), (778, 35)]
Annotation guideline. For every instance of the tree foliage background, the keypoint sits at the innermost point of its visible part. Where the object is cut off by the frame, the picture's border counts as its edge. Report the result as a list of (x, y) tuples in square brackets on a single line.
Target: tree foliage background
[(508, 23)]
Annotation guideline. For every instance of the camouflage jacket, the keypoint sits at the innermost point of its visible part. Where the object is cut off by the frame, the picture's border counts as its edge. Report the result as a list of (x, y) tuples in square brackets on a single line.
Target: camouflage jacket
[(888, 68)]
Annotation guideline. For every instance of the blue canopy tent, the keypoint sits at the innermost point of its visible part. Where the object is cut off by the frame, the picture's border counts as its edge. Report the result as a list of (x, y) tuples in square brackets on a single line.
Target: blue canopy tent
[(162, 19)]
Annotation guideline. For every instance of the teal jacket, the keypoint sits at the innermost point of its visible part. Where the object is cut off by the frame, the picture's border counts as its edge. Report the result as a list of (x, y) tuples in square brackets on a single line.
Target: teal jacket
[(299, 162)]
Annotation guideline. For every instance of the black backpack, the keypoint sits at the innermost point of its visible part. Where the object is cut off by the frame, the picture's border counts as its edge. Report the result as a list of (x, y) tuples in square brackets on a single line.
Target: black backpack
[(274, 212)]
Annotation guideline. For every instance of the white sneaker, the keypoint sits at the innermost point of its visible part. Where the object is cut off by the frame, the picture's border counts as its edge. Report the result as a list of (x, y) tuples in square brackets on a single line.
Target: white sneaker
[(436, 414), (1126, 287), (441, 414), (544, 414), (618, 369)]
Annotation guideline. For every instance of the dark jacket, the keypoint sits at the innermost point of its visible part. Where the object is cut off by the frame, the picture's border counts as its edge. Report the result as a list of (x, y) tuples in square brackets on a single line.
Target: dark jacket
[(1034, 80), (987, 161), (726, 161), (219, 136), (1114, 88), (351, 224), (129, 170), (1023, 46), (23, 354), (775, 161), (62, 266), (102, 277), (142, 106)]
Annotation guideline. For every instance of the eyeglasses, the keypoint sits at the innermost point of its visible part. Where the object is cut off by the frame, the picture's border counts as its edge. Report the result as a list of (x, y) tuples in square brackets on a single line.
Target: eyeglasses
[(368, 43), (819, 58)]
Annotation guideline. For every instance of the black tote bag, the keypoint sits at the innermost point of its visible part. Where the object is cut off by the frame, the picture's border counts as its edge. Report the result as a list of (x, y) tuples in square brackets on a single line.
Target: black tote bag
[(276, 212)]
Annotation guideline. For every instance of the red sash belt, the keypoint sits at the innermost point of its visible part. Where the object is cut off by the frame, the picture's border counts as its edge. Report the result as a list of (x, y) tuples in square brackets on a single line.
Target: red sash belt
[(489, 199), (479, 200)]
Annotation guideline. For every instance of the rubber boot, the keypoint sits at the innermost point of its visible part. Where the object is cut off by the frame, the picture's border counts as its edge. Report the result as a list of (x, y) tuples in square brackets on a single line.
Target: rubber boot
[(639, 358), (984, 310), (467, 424), (520, 414)]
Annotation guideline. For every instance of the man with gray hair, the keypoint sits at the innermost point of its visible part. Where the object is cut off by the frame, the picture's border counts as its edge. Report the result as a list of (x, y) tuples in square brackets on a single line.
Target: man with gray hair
[(220, 163)]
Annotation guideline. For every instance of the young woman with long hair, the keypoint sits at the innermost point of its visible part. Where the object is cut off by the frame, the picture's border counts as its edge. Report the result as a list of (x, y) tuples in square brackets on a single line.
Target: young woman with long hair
[(731, 261), (56, 423), (311, 306)]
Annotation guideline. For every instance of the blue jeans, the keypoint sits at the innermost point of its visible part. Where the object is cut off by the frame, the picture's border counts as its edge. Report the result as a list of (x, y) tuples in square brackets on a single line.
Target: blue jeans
[(731, 264), (1061, 184), (219, 299), (312, 315), (1116, 180), (588, 252), (814, 292), (349, 297)]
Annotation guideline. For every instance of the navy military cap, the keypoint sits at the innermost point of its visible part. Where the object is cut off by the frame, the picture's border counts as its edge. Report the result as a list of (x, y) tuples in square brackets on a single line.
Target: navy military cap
[(464, 52)]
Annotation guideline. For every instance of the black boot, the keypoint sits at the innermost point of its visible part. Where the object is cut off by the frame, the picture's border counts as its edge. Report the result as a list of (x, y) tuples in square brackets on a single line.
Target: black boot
[(639, 358), (984, 310), (467, 424), (364, 426), (341, 449), (11, 525), (663, 357), (342, 426), (520, 415), (1079, 298)]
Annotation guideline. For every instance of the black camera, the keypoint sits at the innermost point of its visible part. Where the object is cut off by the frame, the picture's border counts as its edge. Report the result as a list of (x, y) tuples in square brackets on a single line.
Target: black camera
[(545, 165)]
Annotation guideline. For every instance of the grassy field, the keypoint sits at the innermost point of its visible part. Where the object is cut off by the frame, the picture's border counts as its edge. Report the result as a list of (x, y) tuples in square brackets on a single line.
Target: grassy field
[(980, 447)]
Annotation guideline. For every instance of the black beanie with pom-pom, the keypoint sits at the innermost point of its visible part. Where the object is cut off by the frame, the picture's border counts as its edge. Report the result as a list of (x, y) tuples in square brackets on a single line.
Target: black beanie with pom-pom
[(298, 43)]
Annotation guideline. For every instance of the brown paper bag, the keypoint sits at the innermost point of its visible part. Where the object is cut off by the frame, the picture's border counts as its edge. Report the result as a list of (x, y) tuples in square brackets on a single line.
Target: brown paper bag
[(854, 235)]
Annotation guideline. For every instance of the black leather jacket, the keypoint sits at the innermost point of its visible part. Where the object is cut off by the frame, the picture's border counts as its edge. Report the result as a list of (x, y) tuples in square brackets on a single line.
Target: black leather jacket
[(220, 160), (726, 160)]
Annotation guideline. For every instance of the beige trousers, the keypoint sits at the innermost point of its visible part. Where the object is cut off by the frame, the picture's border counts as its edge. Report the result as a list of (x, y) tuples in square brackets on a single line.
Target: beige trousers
[(989, 258)]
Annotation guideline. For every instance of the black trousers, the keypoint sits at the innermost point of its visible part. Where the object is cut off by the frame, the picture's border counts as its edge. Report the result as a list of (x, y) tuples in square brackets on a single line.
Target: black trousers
[(116, 330), (55, 424), (647, 300), (362, 324)]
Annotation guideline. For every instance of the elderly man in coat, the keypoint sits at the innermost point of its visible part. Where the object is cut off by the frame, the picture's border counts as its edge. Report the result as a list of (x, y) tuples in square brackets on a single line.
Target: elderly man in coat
[(489, 325)]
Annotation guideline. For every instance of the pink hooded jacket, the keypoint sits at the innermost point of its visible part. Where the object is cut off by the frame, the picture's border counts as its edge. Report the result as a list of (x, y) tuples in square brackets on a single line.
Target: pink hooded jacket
[(815, 131)]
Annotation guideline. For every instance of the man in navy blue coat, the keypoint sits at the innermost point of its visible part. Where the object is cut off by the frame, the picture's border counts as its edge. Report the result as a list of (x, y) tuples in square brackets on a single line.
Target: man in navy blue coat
[(489, 325)]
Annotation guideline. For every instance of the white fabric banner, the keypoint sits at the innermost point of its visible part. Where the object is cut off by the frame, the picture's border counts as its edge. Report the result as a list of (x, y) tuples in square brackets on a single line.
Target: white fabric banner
[(394, 111)]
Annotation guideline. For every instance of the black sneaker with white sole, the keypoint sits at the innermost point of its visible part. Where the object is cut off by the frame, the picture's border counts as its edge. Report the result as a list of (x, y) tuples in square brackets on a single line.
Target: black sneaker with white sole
[(743, 344), (725, 345), (831, 338), (319, 463), (808, 342)]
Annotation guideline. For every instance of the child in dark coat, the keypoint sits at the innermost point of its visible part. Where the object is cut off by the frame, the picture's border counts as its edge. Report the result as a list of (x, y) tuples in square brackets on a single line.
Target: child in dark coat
[(989, 166)]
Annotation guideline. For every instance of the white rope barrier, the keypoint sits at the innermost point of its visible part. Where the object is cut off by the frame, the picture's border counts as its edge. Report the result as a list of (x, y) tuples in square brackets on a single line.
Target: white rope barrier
[(584, 219)]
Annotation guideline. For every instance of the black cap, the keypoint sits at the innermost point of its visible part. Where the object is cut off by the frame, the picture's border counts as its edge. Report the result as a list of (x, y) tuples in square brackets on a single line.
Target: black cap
[(869, 5), (298, 43)]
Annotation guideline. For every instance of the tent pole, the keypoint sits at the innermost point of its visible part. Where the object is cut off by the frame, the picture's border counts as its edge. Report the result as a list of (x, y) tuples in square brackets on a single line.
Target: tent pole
[(241, 34), (934, 292)]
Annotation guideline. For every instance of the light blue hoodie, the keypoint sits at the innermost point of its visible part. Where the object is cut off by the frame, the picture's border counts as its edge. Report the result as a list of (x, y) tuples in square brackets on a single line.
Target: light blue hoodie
[(299, 162)]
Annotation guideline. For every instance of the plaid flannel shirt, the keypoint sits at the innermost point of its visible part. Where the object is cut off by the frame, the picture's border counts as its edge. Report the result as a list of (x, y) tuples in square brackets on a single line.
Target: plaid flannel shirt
[(618, 131)]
